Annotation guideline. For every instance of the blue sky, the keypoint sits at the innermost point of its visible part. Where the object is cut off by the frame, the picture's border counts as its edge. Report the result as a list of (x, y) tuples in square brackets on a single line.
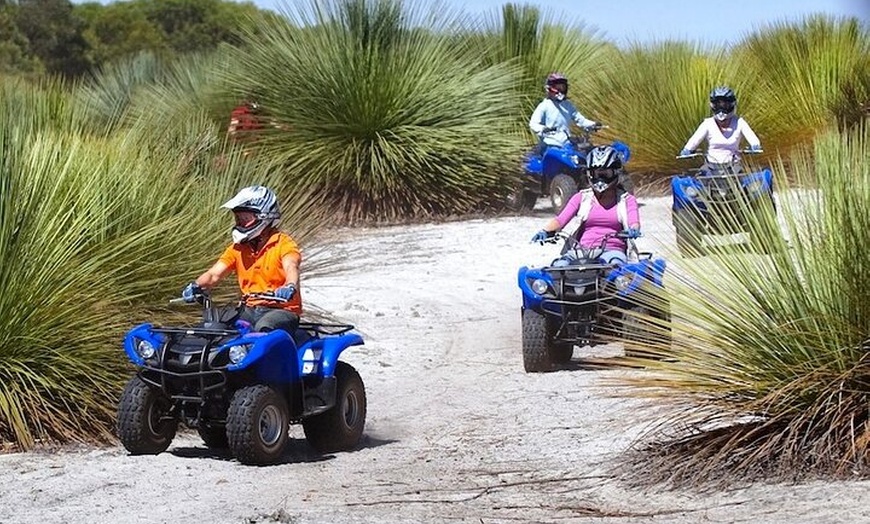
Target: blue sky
[(624, 21)]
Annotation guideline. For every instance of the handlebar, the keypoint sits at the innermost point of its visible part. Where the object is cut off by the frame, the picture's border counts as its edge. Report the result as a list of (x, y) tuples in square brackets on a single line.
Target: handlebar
[(259, 296), (695, 154), (586, 130), (269, 295), (562, 236)]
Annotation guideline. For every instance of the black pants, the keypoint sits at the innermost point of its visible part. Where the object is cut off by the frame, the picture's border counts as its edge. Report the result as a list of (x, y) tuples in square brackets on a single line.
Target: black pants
[(269, 318)]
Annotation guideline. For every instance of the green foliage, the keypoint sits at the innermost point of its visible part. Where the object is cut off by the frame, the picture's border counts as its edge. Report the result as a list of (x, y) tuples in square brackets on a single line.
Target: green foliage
[(54, 35), (541, 44), (800, 77), (95, 234), (769, 376), (655, 96), (14, 58), (392, 120)]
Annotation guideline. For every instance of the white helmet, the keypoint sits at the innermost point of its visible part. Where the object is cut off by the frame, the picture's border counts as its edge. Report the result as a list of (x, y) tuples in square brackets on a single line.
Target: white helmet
[(256, 208)]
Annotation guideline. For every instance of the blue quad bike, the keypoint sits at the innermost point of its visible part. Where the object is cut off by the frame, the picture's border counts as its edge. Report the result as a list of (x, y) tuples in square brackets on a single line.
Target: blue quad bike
[(239, 388), (718, 199), (585, 303), (560, 172)]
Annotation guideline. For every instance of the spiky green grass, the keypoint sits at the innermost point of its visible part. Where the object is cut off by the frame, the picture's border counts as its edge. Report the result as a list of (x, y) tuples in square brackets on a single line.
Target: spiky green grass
[(382, 111), (801, 77), (769, 374), (96, 233), (655, 96)]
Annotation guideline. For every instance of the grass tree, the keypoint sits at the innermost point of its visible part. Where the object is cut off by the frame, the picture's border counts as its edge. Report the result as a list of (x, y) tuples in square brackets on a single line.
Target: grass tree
[(380, 111), (654, 96), (95, 234), (540, 43), (768, 373), (799, 78)]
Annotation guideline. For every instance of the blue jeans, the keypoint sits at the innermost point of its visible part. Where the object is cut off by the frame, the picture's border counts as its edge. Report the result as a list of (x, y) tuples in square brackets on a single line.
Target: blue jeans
[(269, 318), (608, 257)]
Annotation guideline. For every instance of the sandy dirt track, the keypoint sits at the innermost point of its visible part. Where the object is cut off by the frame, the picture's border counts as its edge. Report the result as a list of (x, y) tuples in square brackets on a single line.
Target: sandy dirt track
[(456, 431)]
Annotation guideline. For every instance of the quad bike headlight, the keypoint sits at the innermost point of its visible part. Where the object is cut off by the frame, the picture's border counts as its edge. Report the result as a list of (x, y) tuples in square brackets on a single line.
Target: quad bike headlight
[(755, 188), (540, 286), (622, 282), (238, 353), (575, 159), (691, 192), (145, 349)]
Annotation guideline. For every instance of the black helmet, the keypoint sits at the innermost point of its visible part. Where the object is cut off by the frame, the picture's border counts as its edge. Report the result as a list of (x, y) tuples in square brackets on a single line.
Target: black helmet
[(723, 102), (603, 164)]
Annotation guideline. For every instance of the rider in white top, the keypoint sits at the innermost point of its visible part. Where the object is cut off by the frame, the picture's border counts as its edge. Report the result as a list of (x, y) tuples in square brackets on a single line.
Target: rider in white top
[(553, 116), (723, 131)]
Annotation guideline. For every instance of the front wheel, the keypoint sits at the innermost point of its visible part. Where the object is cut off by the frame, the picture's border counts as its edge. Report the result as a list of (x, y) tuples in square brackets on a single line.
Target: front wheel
[(257, 425), (144, 424), (562, 188), (539, 352), (341, 427), (688, 229), (643, 339)]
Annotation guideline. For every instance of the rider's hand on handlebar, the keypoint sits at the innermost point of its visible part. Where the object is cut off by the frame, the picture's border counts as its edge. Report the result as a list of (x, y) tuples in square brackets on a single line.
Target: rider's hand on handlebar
[(542, 236), (190, 291), (685, 152), (285, 292), (756, 148), (595, 126), (632, 233)]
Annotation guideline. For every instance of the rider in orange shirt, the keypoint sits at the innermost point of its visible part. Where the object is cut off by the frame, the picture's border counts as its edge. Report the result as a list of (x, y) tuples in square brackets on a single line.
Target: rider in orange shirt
[(264, 259)]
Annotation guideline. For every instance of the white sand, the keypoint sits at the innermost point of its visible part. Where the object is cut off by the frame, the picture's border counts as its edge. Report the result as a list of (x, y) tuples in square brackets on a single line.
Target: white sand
[(456, 432)]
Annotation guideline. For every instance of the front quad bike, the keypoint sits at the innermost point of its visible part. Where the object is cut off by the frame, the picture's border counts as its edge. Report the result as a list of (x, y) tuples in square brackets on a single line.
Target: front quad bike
[(717, 199), (239, 388), (579, 304), (560, 172)]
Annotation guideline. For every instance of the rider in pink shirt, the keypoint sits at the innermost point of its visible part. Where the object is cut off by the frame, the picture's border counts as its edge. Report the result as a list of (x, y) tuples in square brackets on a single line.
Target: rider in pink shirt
[(603, 209)]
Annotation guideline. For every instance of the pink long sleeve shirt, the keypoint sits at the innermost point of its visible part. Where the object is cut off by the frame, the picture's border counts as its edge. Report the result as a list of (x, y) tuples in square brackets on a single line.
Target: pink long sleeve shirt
[(600, 221)]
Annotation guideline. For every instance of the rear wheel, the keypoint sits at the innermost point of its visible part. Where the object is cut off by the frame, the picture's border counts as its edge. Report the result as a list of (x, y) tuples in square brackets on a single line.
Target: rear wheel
[(144, 424), (626, 183), (562, 188), (340, 428), (521, 199), (257, 425)]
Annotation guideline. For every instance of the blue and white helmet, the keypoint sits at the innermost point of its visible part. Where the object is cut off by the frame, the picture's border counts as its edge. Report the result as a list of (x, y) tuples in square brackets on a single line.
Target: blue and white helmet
[(260, 205), (723, 102), (603, 165)]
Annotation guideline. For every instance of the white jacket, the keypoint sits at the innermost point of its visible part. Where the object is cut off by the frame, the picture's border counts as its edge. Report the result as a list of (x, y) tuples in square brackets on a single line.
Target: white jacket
[(723, 145), (558, 115)]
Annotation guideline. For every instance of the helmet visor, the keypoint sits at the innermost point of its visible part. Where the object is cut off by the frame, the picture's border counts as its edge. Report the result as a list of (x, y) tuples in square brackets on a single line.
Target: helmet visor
[(722, 105), (558, 87), (245, 217), (603, 175)]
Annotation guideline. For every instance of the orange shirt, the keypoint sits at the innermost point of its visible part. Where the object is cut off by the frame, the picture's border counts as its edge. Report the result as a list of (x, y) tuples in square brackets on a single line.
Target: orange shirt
[(263, 271)]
